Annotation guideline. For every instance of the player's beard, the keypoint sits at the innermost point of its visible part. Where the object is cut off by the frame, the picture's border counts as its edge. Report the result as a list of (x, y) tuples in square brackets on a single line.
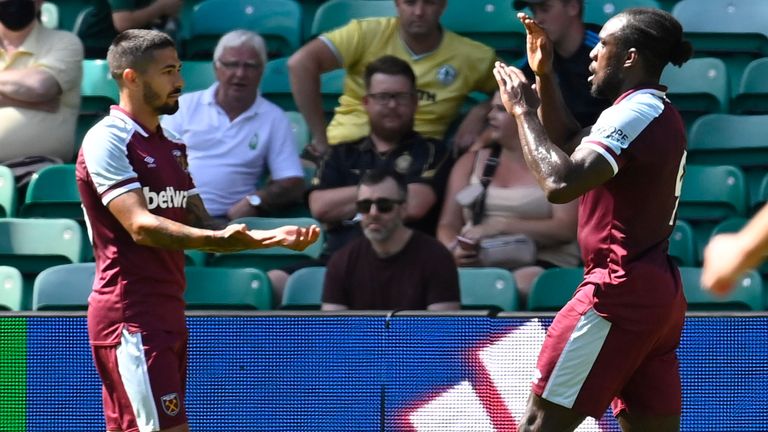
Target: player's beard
[(160, 105), (609, 84)]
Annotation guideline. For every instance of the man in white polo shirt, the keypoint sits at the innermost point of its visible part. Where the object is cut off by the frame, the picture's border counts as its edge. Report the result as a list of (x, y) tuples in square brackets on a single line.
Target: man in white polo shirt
[(234, 136)]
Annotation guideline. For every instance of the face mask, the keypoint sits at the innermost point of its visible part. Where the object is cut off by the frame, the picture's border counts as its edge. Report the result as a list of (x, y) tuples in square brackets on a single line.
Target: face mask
[(17, 14)]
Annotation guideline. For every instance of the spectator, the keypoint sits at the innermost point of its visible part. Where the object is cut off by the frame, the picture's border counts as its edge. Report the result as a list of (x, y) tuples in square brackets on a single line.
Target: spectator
[(40, 73), (572, 40), (390, 102), (447, 67), (234, 136), (392, 267), (107, 18), (514, 204)]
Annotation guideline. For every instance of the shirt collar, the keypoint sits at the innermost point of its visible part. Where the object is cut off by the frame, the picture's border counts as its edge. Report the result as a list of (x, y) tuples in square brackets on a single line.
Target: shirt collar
[(117, 111), (657, 90)]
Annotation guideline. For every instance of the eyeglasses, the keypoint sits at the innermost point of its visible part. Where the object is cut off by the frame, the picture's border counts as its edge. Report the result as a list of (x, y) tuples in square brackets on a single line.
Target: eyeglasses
[(383, 205), (383, 98), (234, 65)]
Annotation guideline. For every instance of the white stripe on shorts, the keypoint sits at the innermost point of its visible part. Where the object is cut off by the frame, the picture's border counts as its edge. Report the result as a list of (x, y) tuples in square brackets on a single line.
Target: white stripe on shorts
[(133, 370), (576, 360)]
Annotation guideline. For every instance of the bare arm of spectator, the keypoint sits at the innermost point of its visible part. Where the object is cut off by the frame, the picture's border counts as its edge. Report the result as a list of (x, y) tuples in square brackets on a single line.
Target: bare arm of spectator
[(471, 127), (29, 86), (130, 19), (277, 193), (305, 67), (451, 217)]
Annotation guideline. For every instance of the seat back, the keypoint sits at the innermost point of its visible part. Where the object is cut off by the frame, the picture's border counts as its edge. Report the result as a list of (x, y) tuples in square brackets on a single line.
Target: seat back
[(699, 87), (752, 97), (682, 247), (11, 288), (717, 139), (276, 86), (49, 15), (277, 21), (7, 192), (270, 258), (198, 75), (490, 22), (227, 288), (337, 13), (747, 293), (553, 288), (304, 289), (32, 245), (488, 287), (64, 287), (712, 193), (98, 91), (300, 129), (52, 193), (600, 11)]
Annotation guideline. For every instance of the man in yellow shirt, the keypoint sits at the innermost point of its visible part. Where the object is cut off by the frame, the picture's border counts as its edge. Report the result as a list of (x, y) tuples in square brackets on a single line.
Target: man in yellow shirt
[(447, 67)]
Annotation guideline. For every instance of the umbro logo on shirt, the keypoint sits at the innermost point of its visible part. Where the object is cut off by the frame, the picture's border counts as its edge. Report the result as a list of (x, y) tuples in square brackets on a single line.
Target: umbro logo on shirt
[(150, 161)]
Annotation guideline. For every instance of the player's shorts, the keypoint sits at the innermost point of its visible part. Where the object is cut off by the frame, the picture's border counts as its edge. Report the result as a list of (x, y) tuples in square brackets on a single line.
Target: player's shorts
[(143, 381), (588, 363)]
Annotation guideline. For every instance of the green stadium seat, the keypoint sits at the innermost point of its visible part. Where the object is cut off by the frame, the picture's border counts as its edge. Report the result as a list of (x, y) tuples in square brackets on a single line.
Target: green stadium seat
[(553, 288), (98, 92), (488, 287), (336, 13), (492, 22), (730, 139), (682, 247), (277, 21), (49, 15), (7, 192), (300, 129), (735, 31), (64, 287), (752, 97), (600, 11), (11, 288), (194, 257), (747, 294), (276, 86), (197, 74), (712, 193), (699, 87), (270, 258), (69, 10), (304, 289), (227, 288), (33, 245)]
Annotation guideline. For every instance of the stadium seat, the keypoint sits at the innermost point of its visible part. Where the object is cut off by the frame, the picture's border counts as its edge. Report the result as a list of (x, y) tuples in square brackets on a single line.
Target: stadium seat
[(491, 22), (300, 129), (49, 15), (712, 193), (197, 74), (600, 11), (277, 21), (699, 87), (488, 287), (64, 287), (11, 288), (336, 13), (739, 140), (732, 30), (553, 288), (270, 258), (752, 97), (98, 91), (276, 86), (52, 193), (227, 288), (194, 257), (682, 247), (7, 192), (747, 294), (304, 289)]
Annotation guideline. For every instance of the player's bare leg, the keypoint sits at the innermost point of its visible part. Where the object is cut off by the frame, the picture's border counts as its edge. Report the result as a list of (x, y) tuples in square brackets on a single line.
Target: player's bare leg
[(544, 416), (640, 423)]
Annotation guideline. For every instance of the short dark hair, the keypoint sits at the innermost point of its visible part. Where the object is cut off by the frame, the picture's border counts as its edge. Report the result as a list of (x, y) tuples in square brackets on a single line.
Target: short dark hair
[(378, 175), (657, 34), (134, 49), (389, 65)]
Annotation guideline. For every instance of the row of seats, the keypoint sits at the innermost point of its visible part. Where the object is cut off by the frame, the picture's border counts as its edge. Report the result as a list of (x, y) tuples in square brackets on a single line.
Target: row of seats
[(67, 286)]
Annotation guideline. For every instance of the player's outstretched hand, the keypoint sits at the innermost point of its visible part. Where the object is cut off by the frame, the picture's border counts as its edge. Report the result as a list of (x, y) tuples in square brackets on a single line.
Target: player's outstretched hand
[(723, 265), (516, 94), (538, 46), (294, 237)]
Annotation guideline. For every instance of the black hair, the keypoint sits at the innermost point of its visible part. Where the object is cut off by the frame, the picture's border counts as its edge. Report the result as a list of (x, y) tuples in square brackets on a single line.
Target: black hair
[(134, 49), (657, 35), (389, 65), (378, 175)]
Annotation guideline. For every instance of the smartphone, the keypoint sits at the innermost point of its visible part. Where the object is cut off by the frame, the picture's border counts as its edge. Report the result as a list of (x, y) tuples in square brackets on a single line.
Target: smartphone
[(466, 243)]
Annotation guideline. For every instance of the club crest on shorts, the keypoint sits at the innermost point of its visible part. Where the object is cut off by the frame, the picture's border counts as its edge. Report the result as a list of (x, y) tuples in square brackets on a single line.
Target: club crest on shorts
[(446, 74), (171, 403)]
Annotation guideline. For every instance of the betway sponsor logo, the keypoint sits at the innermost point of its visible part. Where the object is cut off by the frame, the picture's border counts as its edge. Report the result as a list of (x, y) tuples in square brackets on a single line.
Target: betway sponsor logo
[(169, 198)]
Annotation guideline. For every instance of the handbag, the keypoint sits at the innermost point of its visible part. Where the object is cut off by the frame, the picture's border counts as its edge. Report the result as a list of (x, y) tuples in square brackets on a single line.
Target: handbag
[(509, 251)]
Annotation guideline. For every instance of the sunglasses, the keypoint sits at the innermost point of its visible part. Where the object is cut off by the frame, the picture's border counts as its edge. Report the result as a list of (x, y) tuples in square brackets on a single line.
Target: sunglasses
[(383, 205)]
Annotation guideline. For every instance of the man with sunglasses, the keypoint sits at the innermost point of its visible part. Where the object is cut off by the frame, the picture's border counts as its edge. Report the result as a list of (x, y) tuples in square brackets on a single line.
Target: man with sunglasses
[(234, 136), (390, 102), (393, 266)]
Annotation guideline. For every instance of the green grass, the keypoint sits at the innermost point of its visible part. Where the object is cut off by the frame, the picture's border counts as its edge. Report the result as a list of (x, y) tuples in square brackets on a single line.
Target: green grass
[(13, 374)]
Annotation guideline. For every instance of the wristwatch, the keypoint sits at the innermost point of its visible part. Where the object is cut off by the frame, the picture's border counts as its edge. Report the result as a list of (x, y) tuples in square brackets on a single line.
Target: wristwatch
[(253, 200)]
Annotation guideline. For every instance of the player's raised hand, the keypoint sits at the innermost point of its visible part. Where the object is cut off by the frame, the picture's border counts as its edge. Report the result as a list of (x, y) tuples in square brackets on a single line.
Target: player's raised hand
[(295, 237), (538, 46), (516, 94)]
